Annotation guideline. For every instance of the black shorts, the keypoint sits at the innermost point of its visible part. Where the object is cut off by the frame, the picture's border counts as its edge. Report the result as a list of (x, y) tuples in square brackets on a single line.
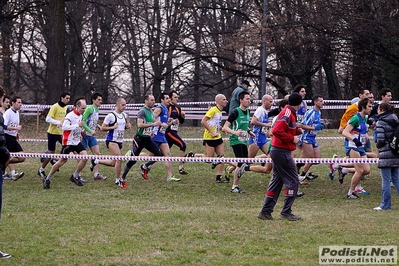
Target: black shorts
[(212, 143), (119, 144), (140, 143), (173, 138), (66, 149), (240, 151), (12, 144), (52, 141)]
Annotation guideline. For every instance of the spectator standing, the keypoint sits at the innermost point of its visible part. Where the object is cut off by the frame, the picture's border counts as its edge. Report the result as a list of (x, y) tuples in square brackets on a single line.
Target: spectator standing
[(234, 99), (386, 97), (285, 138), (388, 161)]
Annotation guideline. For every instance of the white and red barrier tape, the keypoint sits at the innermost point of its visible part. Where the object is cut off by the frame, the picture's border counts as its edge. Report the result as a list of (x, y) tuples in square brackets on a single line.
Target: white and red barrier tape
[(193, 159), (185, 139)]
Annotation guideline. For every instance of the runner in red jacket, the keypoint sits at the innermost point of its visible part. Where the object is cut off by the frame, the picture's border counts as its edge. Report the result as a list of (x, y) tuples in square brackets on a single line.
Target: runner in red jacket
[(285, 137)]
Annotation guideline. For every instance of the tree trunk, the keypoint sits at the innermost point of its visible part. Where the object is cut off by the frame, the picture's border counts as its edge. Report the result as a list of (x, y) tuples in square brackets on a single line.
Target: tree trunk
[(55, 79)]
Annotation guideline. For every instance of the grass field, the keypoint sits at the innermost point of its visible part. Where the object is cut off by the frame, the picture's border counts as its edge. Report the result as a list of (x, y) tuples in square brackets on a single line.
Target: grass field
[(192, 222)]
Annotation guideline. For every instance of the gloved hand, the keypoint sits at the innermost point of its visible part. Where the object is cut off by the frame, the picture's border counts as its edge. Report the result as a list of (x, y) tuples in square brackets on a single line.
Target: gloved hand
[(319, 127), (357, 142)]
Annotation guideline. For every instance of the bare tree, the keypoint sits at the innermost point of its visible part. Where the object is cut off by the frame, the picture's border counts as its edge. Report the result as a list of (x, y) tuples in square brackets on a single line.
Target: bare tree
[(55, 29)]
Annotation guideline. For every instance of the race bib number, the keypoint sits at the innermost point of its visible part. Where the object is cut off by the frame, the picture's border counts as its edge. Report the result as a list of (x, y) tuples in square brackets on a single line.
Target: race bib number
[(147, 131), (76, 134), (217, 129), (93, 125), (162, 130), (363, 138), (265, 130), (243, 137), (119, 135), (174, 127)]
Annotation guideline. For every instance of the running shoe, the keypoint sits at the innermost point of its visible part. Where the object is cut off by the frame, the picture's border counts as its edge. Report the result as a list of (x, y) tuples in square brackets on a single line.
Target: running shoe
[(216, 163), (341, 175), (237, 190), (172, 178), (128, 153), (123, 184), (242, 170), (7, 177), (17, 176), (92, 164), (227, 174), (290, 217), (304, 182), (76, 181), (301, 178), (332, 170), (41, 173), (265, 216), (4, 255), (42, 159), (300, 194), (182, 172), (190, 154), (46, 183), (362, 192), (311, 176), (144, 172), (353, 196), (100, 177), (220, 181)]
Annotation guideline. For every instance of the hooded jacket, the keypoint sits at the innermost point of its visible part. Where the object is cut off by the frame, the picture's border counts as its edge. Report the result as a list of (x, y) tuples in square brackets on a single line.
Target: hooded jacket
[(385, 128)]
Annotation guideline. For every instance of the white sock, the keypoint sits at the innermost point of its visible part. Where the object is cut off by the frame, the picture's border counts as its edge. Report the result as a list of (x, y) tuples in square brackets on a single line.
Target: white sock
[(335, 166), (345, 170), (181, 167), (12, 172)]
